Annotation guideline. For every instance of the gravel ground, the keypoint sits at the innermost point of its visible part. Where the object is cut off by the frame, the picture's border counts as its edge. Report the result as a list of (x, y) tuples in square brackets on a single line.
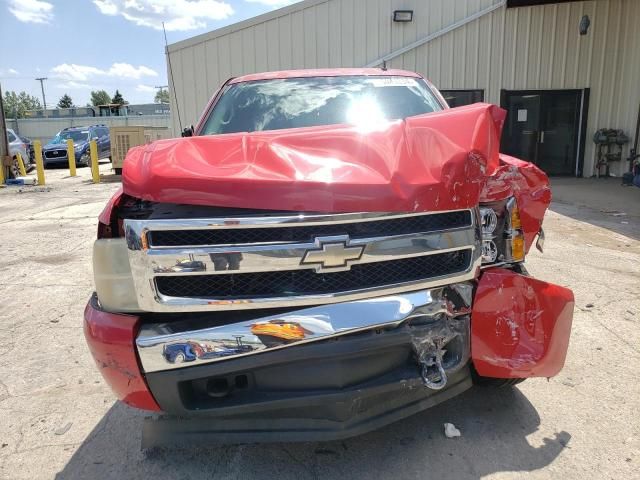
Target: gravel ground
[(58, 419)]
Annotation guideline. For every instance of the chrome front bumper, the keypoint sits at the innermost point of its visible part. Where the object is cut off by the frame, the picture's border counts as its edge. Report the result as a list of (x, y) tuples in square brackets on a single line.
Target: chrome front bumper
[(432, 314)]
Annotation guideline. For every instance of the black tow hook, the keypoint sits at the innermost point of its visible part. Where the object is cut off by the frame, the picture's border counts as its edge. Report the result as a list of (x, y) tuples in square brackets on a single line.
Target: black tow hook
[(433, 374)]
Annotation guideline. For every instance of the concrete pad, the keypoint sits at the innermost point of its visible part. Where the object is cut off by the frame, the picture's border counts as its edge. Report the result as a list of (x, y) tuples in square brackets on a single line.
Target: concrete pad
[(58, 419)]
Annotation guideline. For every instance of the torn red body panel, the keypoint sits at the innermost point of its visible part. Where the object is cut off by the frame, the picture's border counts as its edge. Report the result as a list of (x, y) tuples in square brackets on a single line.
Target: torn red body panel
[(105, 215), (530, 187), (111, 338), (436, 161), (520, 326)]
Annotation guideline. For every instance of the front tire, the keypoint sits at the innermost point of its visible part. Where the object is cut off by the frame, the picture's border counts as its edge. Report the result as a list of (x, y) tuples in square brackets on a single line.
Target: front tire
[(15, 169), (84, 161), (179, 358), (490, 382)]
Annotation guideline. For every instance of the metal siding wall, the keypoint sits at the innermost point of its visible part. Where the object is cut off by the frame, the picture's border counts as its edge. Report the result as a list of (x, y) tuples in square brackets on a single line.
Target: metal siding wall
[(286, 48), (521, 48), (540, 48), (272, 45), (297, 40), (224, 61)]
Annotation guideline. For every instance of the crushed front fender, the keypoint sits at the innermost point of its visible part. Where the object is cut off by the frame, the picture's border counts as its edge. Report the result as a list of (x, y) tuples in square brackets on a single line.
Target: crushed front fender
[(520, 326)]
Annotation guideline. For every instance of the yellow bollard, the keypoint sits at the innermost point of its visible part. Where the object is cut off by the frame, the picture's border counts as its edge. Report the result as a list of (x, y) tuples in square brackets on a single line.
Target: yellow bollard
[(2, 171), (23, 172), (95, 171), (71, 155), (37, 146)]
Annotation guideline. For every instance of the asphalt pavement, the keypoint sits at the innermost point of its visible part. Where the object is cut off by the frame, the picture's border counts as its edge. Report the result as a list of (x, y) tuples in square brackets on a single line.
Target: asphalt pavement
[(58, 419)]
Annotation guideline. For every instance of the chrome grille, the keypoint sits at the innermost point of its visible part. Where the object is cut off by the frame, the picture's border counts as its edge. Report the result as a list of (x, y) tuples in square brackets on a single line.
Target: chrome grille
[(308, 282), (55, 154), (290, 260), (374, 228)]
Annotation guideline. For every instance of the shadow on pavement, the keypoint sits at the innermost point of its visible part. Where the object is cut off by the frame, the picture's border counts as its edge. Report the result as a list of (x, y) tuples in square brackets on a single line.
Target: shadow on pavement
[(602, 202), (494, 426), (65, 166)]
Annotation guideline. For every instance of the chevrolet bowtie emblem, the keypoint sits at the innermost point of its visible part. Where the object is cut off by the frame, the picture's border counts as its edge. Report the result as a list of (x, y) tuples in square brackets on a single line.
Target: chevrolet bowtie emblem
[(333, 254)]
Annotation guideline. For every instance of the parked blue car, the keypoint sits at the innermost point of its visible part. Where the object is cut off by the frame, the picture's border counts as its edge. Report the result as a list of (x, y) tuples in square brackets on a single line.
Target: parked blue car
[(189, 351), (179, 352), (55, 152)]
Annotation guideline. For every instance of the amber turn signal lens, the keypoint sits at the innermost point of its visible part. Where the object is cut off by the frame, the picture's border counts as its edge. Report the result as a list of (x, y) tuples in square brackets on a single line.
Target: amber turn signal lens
[(285, 331), (517, 248), (516, 224)]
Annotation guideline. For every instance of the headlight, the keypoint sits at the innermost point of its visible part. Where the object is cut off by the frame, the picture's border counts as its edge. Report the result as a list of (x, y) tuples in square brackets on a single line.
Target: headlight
[(112, 274), (502, 236)]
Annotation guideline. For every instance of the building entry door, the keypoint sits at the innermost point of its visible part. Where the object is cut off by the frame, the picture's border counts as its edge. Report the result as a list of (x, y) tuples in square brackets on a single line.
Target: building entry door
[(546, 127)]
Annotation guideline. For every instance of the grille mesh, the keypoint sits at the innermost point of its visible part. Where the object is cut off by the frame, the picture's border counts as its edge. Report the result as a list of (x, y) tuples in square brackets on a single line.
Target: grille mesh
[(308, 282), (55, 153), (398, 226)]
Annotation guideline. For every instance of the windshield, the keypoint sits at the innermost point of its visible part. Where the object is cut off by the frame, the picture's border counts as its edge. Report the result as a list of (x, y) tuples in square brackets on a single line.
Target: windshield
[(306, 102), (75, 135)]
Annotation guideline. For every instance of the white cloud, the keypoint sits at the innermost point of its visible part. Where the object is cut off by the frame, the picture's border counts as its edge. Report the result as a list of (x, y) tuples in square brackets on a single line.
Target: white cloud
[(106, 7), (74, 72), (176, 14), (70, 85), (145, 89), (31, 11), (125, 70), (82, 73), (273, 3), (8, 72)]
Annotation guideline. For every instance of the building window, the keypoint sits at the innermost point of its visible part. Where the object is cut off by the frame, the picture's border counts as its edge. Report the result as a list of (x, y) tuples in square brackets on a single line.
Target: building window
[(458, 98)]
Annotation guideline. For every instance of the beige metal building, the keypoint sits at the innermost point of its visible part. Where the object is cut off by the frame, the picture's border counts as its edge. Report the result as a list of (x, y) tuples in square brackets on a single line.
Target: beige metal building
[(559, 86)]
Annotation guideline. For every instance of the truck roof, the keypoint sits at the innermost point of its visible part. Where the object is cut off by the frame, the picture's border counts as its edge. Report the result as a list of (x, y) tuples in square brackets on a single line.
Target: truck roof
[(324, 72)]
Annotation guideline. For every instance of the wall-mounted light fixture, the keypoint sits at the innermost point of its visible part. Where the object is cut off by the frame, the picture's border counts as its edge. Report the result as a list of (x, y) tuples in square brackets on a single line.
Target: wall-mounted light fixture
[(584, 25), (403, 15)]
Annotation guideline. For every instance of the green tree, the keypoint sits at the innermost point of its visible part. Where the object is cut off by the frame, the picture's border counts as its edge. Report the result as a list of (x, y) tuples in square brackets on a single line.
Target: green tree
[(65, 101), (100, 97), (118, 99), (162, 96), (17, 104)]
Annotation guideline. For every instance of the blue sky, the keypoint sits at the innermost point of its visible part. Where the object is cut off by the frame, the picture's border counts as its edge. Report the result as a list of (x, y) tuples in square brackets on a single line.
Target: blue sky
[(84, 45)]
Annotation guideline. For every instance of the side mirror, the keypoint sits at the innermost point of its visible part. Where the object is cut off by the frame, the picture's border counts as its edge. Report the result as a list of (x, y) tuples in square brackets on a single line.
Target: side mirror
[(187, 131)]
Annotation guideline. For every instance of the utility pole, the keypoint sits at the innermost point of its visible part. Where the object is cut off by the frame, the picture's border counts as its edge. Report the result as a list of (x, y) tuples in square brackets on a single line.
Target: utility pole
[(41, 80), (4, 142), (162, 87)]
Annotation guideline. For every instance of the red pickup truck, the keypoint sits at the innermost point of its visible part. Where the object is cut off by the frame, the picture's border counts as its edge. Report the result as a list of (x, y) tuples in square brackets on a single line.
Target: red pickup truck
[(343, 249)]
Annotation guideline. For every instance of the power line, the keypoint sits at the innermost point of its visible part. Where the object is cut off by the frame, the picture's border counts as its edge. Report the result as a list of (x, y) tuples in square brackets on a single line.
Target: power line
[(41, 80), (175, 96)]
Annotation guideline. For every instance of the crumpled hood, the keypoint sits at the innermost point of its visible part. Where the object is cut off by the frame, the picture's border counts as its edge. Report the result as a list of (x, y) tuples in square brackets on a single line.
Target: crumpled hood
[(437, 161)]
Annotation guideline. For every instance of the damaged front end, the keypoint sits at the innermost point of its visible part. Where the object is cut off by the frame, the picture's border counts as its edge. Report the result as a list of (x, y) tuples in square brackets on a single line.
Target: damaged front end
[(323, 372), (266, 295), (521, 326)]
